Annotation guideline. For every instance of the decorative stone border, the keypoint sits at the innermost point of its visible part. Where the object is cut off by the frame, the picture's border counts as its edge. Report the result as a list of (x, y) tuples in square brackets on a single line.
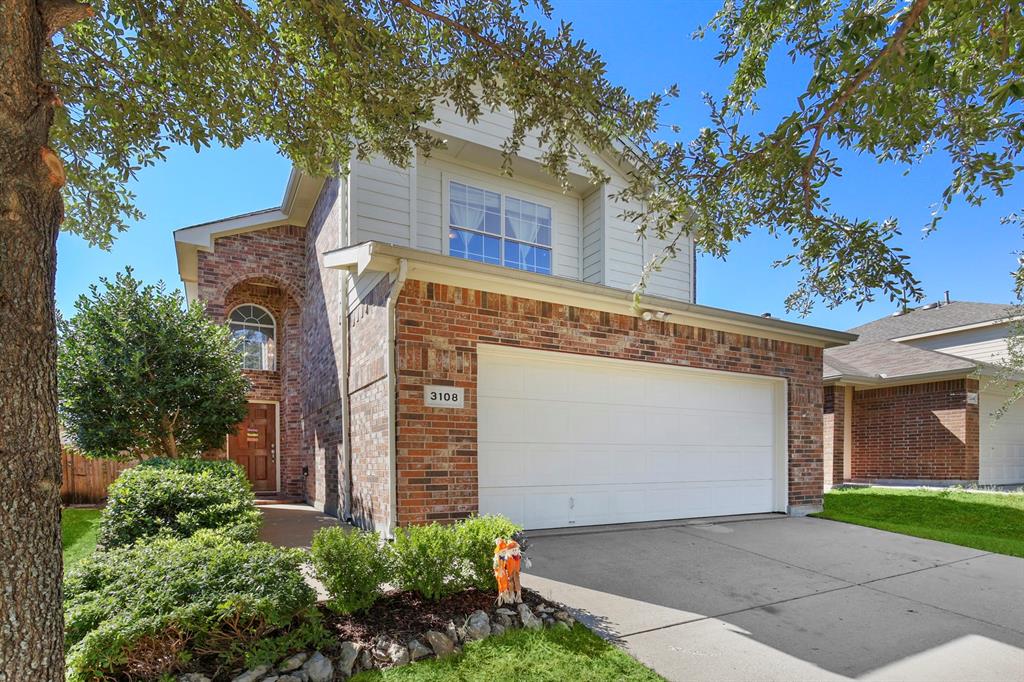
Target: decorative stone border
[(386, 652)]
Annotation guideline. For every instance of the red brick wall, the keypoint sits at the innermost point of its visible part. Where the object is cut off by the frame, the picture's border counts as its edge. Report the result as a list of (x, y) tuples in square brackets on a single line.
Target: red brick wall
[(368, 405), (439, 327), (923, 431), (322, 418), (833, 417), (265, 268)]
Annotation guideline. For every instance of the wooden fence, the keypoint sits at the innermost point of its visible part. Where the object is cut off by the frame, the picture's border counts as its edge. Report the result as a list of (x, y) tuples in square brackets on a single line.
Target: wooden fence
[(85, 480)]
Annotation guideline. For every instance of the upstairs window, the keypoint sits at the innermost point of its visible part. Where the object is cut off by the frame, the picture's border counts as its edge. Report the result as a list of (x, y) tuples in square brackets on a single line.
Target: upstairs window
[(489, 227), (253, 330)]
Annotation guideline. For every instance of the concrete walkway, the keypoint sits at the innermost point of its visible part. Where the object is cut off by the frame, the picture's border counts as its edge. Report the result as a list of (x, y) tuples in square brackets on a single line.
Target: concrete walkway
[(293, 525), (790, 599)]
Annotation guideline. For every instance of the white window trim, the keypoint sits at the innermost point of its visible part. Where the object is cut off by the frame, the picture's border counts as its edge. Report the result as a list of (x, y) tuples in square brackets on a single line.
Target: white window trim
[(446, 224), (273, 327)]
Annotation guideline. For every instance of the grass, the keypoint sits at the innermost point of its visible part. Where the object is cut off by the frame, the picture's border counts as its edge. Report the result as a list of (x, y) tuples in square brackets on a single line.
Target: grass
[(554, 654), (988, 521), (79, 528)]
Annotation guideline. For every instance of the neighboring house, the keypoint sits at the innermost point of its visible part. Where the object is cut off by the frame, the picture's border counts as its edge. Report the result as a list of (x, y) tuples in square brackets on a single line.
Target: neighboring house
[(915, 398), (431, 342)]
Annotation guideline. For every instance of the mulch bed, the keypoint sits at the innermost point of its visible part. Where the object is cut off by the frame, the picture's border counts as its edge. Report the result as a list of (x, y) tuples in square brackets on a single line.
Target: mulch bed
[(404, 615)]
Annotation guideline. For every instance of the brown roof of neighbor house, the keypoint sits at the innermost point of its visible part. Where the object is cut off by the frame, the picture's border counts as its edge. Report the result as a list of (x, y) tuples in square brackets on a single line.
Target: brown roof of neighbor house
[(888, 360), (922, 320)]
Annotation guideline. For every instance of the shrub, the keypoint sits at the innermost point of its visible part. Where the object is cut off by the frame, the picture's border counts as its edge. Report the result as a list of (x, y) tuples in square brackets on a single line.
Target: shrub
[(427, 560), (352, 565), (144, 611), (475, 537), (178, 497)]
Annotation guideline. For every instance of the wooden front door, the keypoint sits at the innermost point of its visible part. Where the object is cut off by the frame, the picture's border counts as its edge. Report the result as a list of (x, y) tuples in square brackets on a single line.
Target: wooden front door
[(254, 446)]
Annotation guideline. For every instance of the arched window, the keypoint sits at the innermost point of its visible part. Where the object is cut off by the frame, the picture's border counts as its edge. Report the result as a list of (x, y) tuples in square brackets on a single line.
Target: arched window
[(253, 329)]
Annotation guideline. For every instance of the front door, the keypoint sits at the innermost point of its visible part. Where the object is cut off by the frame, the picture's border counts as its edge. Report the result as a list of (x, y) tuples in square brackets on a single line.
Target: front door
[(254, 446)]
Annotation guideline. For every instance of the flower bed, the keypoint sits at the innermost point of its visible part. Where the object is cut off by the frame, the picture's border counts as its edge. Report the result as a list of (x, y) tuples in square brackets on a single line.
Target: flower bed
[(402, 628)]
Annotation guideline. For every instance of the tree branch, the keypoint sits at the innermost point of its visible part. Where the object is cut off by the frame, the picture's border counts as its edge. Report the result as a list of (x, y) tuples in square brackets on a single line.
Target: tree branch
[(895, 44), (59, 14)]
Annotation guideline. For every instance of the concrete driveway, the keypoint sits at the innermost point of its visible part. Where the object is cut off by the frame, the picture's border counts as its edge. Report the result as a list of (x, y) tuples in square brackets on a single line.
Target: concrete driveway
[(781, 598)]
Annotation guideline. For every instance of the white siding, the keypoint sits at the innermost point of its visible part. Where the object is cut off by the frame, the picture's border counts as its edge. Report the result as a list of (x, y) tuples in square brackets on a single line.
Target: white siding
[(626, 255), (381, 198), (590, 240), (593, 236), (987, 344)]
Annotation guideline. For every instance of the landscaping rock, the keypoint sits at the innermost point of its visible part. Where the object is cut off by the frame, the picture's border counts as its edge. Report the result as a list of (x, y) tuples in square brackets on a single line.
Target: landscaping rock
[(366, 660), (547, 620), (253, 674), (478, 626), (452, 632), (318, 668), (347, 659), (272, 678), (561, 625), (193, 677), (439, 642), (291, 678), (497, 629), (505, 612), (530, 621), (564, 617), (390, 654), (543, 608), (418, 650), (503, 617), (292, 662)]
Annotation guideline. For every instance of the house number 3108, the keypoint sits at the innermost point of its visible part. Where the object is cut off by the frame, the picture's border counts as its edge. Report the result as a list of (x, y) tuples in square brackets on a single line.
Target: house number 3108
[(444, 396)]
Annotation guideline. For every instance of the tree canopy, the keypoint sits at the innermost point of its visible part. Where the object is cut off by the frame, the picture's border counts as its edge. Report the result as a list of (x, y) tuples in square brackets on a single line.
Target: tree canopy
[(139, 374), (897, 80)]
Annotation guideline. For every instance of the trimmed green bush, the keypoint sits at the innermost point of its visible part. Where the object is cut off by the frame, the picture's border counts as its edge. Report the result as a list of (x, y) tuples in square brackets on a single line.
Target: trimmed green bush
[(475, 538), (143, 611), (352, 565), (427, 560), (177, 497)]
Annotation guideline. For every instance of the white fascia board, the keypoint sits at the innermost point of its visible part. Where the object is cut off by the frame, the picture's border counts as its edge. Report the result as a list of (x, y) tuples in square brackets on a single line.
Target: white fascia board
[(864, 382), (430, 267)]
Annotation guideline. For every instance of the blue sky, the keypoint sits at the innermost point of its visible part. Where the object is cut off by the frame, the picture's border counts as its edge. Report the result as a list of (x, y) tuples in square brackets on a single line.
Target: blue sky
[(647, 45)]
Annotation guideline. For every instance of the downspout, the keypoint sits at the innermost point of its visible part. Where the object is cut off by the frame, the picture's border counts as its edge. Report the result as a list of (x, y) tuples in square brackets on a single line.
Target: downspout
[(345, 239), (345, 513), (396, 289)]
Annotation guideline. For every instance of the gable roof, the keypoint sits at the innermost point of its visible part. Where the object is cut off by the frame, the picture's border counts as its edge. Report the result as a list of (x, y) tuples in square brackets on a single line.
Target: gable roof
[(922, 321), (887, 361)]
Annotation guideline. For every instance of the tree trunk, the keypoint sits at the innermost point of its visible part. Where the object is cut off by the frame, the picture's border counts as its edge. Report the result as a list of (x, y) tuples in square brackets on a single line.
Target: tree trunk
[(167, 438), (31, 622)]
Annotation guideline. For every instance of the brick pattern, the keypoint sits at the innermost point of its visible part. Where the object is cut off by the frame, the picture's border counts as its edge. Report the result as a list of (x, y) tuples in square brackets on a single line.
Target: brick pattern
[(265, 268), (922, 431), (369, 406), (440, 326), (322, 417), (833, 418)]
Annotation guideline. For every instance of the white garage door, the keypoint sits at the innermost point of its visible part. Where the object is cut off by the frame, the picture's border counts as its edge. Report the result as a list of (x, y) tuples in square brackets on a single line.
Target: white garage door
[(567, 440), (1001, 452)]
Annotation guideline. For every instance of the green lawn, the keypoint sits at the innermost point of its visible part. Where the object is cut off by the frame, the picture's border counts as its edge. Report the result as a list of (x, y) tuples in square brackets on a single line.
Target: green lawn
[(988, 521), (553, 654), (79, 528)]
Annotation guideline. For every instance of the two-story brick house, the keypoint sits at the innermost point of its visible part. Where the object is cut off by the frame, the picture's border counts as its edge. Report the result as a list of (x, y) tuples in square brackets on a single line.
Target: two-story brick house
[(429, 342)]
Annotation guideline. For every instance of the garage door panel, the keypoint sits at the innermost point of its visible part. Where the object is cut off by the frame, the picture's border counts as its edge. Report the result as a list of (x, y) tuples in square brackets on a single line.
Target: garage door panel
[(600, 442), (742, 397), (1001, 451)]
